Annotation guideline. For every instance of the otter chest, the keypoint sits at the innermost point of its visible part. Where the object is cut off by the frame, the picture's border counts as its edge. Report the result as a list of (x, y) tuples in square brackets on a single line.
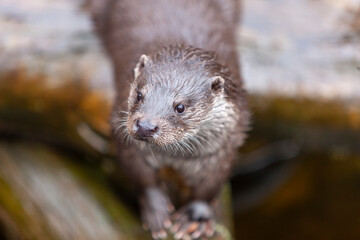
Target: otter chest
[(186, 171), (174, 184)]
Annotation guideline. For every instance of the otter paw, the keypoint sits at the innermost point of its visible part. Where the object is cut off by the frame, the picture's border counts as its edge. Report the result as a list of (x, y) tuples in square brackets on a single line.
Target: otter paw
[(155, 212), (194, 221)]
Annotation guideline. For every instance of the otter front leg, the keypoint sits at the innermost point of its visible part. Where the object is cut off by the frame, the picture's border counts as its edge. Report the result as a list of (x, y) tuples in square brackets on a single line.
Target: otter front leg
[(155, 211), (197, 218), (155, 206), (194, 220)]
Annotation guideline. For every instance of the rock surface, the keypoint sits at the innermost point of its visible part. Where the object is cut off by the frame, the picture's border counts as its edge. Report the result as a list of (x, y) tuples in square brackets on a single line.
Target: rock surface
[(290, 48)]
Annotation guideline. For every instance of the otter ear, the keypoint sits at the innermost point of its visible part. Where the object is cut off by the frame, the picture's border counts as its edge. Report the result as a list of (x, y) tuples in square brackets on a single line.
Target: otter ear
[(217, 84), (143, 61)]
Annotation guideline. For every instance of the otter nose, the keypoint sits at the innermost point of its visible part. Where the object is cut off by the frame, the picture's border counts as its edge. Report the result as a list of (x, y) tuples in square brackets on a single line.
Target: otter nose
[(146, 129)]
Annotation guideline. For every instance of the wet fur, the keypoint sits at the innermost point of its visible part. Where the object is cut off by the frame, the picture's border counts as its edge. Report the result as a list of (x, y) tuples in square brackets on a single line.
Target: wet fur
[(189, 48)]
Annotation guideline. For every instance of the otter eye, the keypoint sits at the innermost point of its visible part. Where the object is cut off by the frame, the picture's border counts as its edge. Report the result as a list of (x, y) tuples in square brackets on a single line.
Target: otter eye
[(180, 108), (139, 96)]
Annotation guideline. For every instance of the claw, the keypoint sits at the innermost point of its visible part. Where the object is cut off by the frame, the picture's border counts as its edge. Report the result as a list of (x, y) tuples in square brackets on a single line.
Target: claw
[(162, 234), (179, 235), (167, 223), (154, 235), (192, 227), (196, 234), (175, 228)]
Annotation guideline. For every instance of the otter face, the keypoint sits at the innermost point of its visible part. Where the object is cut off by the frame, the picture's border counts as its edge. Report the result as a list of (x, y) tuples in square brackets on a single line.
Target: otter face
[(175, 103)]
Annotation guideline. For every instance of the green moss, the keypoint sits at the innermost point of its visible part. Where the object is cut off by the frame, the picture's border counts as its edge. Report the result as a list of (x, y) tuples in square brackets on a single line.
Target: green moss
[(19, 222), (103, 194), (9, 201)]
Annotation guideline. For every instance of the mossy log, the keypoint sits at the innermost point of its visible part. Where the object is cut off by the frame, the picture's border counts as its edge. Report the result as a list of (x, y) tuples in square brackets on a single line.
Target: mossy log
[(45, 195)]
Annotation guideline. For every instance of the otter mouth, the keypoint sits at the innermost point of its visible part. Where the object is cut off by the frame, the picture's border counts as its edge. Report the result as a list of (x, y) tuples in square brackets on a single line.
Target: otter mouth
[(143, 138), (177, 149), (152, 133), (152, 140), (140, 136)]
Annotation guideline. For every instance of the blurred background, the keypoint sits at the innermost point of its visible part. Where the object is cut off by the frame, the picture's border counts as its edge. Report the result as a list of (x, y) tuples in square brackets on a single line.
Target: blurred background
[(297, 177)]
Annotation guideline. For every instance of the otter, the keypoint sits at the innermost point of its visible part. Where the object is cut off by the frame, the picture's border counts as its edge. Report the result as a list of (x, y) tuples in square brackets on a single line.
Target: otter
[(180, 109)]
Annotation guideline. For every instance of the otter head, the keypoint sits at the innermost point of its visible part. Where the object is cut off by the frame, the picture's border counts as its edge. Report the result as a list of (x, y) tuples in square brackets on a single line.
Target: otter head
[(179, 101)]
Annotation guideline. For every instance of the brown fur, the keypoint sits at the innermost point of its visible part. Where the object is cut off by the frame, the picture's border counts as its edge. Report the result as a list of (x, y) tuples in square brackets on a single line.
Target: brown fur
[(190, 53)]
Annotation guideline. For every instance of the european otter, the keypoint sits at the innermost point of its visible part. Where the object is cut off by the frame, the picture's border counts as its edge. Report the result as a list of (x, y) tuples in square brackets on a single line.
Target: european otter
[(183, 109)]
